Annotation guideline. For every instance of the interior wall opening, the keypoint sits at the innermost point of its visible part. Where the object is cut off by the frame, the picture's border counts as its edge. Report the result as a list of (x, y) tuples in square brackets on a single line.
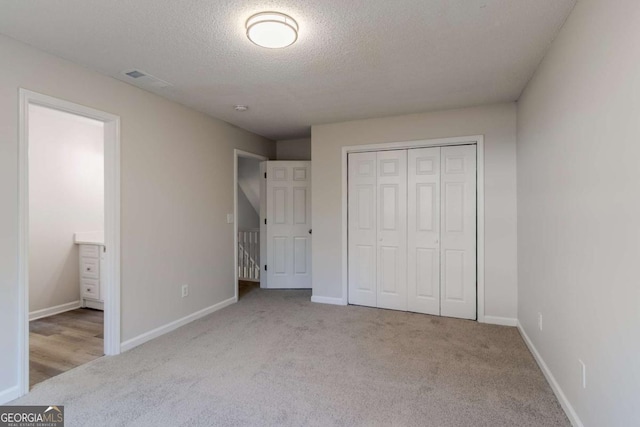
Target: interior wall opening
[(66, 241), (69, 236), (248, 202)]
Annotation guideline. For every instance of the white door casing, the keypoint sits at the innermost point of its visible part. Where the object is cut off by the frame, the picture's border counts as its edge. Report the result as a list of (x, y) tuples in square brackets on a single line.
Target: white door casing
[(423, 239), (237, 154), (112, 344), (392, 229), (288, 224), (458, 232), (362, 229)]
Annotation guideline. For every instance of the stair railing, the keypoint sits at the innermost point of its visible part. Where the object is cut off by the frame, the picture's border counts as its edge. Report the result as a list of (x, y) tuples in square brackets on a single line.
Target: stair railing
[(249, 255)]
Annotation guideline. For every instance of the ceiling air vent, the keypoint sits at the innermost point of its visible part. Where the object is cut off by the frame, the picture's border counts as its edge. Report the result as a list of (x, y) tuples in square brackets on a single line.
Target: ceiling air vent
[(135, 74), (145, 79)]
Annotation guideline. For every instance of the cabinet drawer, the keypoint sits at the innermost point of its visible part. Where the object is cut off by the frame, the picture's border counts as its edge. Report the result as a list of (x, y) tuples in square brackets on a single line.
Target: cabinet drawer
[(89, 251), (90, 289), (90, 268)]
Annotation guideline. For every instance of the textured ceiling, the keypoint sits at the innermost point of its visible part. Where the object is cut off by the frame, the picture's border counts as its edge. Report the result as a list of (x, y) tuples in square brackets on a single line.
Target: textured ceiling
[(353, 59)]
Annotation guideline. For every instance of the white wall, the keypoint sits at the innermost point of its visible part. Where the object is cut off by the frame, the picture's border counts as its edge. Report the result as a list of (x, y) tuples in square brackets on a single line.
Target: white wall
[(294, 149), (177, 188), (248, 218), (248, 193), (496, 122), (579, 207), (66, 195), (249, 179)]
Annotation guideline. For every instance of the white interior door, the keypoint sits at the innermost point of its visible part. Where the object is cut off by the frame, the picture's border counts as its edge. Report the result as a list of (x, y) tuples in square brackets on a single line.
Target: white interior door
[(423, 239), (288, 224), (392, 229), (458, 232), (362, 205)]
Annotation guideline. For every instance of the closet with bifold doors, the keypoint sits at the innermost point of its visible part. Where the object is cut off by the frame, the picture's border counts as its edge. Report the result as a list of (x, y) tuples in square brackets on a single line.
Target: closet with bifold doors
[(412, 230)]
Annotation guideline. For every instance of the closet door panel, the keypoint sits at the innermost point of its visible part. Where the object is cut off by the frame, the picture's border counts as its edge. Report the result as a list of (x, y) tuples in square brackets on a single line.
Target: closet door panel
[(362, 229), (423, 239), (458, 234), (392, 229)]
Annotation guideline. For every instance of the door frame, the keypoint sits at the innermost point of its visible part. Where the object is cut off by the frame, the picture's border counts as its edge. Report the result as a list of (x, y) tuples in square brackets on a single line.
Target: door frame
[(236, 154), (478, 141), (111, 225)]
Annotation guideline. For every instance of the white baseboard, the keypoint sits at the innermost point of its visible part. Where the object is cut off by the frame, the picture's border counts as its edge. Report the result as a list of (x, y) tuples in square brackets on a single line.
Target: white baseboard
[(328, 300), (46, 312), (96, 305), (562, 398), (9, 394), (504, 321), (155, 333)]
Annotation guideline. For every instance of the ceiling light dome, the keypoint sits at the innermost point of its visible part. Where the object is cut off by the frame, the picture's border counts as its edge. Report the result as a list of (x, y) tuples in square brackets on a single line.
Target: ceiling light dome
[(272, 30)]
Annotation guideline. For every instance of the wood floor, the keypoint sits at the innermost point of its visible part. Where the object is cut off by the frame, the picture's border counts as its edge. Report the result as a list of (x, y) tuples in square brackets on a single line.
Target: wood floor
[(64, 341), (244, 287)]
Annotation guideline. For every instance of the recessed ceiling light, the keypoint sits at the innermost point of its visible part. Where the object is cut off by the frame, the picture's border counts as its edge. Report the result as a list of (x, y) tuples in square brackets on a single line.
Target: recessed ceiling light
[(241, 108), (272, 29)]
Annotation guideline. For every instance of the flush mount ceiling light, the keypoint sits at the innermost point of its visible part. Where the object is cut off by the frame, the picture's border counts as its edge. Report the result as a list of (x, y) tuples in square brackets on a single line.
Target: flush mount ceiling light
[(272, 30)]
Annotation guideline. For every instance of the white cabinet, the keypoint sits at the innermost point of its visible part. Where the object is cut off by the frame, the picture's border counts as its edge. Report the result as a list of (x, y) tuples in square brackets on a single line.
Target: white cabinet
[(91, 275)]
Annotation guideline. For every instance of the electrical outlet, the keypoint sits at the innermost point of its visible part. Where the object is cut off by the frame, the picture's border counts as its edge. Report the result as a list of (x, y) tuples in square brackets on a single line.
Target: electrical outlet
[(583, 371), (185, 290), (540, 321)]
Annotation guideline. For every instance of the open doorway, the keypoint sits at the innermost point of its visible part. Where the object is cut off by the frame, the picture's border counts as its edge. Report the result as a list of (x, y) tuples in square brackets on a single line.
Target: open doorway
[(248, 183), (69, 236), (66, 241)]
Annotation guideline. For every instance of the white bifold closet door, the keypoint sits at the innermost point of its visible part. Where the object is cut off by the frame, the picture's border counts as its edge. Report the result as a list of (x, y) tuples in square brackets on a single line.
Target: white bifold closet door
[(362, 228), (392, 229), (378, 229), (442, 231), (423, 278), (412, 230), (458, 232)]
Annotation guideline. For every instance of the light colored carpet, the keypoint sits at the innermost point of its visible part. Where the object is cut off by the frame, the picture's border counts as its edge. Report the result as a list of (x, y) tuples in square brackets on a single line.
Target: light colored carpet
[(275, 358)]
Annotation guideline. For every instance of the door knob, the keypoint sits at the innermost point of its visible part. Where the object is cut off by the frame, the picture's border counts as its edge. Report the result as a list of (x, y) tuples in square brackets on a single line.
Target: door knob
[(309, 231)]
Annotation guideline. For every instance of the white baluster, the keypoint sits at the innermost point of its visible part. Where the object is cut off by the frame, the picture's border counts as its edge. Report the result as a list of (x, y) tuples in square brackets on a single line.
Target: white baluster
[(249, 255)]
